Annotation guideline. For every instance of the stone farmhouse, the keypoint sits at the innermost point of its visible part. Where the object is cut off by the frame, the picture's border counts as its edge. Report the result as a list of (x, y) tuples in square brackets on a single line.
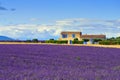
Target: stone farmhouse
[(70, 35)]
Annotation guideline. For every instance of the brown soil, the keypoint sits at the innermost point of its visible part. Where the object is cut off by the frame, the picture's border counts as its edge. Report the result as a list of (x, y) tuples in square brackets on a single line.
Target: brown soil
[(95, 45)]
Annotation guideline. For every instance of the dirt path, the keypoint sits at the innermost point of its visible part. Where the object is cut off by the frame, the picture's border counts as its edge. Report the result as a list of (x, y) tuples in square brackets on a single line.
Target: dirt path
[(95, 45)]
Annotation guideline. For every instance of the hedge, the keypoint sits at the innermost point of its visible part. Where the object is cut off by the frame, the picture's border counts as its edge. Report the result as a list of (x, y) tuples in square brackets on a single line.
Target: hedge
[(77, 42), (57, 41), (108, 42)]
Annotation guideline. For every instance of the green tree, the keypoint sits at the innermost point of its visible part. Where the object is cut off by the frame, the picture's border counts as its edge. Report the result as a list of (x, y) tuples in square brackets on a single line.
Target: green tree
[(76, 39), (51, 39), (97, 40), (85, 40), (111, 39), (28, 41), (118, 37), (35, 40)]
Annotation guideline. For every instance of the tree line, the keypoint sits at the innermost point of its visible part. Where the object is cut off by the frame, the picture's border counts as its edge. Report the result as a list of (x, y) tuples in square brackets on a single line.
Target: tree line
[(108, 41)]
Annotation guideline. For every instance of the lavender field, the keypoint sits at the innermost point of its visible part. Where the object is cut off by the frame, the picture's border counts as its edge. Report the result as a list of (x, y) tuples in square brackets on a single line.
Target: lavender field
[(55, 62)]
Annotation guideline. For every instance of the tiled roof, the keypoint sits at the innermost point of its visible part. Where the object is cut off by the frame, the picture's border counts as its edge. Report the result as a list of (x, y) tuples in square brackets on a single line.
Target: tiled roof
[(72, 32), (93, 36)]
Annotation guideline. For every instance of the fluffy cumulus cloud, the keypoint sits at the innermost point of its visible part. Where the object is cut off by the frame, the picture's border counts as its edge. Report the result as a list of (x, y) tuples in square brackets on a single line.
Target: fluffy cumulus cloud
[(27, 31)]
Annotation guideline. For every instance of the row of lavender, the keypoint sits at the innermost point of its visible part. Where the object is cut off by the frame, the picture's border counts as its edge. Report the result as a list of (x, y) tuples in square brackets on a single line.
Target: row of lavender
[(55, 62)]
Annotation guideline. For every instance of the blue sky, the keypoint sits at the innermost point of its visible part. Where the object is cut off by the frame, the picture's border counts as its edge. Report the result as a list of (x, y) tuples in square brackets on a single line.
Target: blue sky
[(45, 19)]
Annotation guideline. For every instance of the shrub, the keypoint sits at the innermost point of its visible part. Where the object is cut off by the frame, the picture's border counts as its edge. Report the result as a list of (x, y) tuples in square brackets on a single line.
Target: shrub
[(110, 42), (76, 39), (35, 40), (105, 42), (28, 41), (85, 40), (51, 39), (63, 42), (96, 40), (57, 41), (77, 42)]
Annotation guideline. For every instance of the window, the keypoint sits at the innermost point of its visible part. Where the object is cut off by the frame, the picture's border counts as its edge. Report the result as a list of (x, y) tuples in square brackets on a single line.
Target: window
[(64, 35), (73, 35)]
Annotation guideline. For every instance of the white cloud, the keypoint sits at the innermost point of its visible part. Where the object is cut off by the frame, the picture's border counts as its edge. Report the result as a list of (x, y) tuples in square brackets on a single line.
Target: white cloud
[(118, 27), (64, 22), (34, 19), (118, 34), (29, 31)]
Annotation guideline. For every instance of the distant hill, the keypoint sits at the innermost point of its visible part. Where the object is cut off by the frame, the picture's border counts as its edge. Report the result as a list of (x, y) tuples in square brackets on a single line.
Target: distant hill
[(5, 38)]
